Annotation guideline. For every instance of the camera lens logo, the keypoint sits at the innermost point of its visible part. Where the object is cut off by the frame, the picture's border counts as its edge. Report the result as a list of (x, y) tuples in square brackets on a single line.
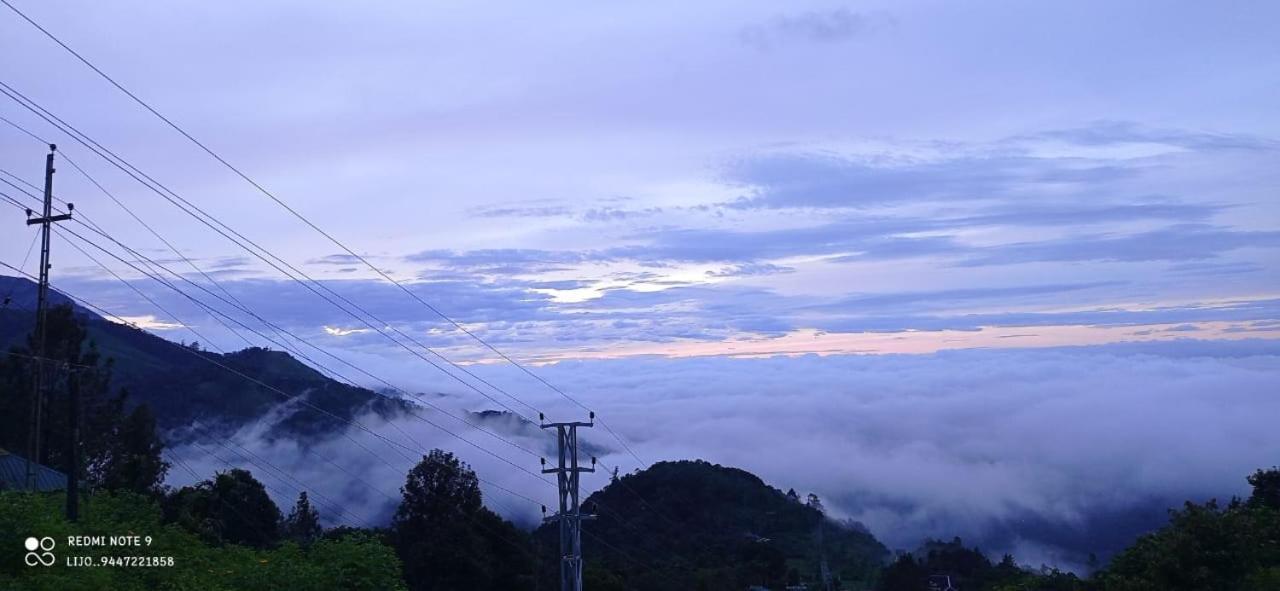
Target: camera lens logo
[(40, 551)]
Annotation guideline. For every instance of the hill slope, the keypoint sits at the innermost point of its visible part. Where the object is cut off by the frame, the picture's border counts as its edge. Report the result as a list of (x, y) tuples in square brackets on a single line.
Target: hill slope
[(697, 525), (182, 384)]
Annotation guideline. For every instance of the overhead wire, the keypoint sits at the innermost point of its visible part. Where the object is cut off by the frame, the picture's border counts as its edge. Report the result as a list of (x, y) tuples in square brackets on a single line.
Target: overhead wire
[(315, 227), (334, 240), (277, 391), (214, 312), (370, 320)]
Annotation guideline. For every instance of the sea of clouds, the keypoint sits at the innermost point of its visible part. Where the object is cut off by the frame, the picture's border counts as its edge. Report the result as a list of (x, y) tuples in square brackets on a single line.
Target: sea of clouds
[(1047, 453)]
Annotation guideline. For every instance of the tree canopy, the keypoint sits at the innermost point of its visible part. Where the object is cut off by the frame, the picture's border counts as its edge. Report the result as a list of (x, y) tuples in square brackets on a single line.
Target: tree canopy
[(447, 539)]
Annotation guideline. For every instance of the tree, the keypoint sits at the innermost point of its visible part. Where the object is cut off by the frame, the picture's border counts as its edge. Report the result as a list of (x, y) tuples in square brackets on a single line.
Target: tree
[(67, 349), (904, 574), (133, 459), (1266, 488), (1206, 546), (233, 508), (119, 450), (447, 539), (303, 523), (815, 503)]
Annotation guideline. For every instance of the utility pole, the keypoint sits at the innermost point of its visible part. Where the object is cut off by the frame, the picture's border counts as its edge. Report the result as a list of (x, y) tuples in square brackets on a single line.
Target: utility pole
[(42, 305), (823, 570), (570, 516)]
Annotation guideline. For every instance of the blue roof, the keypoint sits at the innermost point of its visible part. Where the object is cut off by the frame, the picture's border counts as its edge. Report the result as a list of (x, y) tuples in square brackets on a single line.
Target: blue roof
[(13, 474)]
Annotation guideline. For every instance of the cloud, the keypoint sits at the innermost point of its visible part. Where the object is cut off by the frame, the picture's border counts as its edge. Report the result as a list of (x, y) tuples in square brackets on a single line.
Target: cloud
[(149, 322), (523, 212), (506, 261), (1064, 451), (832, 26), (823, 180), (1100, 133), (342, 332), (614, 214), (1181, 242), (949, 298), (963, 443), (749, 270)]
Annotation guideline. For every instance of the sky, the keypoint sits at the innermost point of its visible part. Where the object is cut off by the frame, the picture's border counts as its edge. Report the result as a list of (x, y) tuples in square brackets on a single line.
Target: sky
[(848, 199)]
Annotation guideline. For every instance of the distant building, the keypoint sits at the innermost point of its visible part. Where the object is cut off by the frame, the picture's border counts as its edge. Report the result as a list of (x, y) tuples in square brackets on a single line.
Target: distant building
[(13, 474)]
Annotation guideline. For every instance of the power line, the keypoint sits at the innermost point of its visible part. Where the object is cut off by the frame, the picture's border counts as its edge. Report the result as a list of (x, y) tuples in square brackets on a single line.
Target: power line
[(312, 345), (616, 436), (288, 397), (330, 237), (216, 312), (300, 400), (8, 297), (394, 425), (378, 325), (298, 484), (294, 212), (277, 469), (196, 479), (42, 113), (50, 360)]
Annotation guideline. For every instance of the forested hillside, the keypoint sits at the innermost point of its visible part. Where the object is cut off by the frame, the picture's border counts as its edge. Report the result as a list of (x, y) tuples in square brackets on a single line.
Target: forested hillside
[(697, 525), (182, 383)]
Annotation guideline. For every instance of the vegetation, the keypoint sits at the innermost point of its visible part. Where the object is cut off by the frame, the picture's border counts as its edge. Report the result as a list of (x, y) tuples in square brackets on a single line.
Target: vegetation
[(222, 533), (970, 570), (446, 537), (1235, 547), (1206, 546), (119, 447), (302, 526), (697, 525), (150, 369), (232, 508), (354, 561)]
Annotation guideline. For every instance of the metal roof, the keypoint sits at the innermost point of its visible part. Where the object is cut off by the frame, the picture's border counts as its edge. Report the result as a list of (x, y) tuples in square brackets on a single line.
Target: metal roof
[(13, 474)]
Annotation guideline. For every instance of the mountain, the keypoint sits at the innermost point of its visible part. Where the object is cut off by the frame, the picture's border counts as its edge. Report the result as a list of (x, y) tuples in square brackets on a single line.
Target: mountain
[(698, 525), (182, 383)]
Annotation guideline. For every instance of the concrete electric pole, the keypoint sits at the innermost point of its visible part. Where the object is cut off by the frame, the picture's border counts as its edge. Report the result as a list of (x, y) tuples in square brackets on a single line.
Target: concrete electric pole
[(42, 304), (569, 517)]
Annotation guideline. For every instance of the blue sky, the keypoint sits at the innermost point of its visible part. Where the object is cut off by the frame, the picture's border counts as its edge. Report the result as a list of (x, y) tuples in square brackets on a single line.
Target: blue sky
[(644, 183), (752, 172)]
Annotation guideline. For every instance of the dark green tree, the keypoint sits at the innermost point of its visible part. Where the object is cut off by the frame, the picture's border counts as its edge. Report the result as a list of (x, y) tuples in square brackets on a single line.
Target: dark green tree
[(303, 523), (904, 574), (1235, 547), (1266, 488), (233, 508), (447, 539), (133, 459), (70, 358)]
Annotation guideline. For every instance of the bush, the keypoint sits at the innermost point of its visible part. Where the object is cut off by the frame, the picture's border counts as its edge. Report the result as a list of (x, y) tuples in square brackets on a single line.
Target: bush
[(350, 562)]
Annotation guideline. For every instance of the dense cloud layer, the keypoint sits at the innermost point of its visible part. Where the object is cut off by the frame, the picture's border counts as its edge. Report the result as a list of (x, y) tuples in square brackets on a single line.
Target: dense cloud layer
[(1049, 453)]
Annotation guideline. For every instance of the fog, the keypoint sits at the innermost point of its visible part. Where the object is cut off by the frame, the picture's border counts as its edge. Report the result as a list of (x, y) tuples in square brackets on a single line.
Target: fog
[(1047, 453)]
